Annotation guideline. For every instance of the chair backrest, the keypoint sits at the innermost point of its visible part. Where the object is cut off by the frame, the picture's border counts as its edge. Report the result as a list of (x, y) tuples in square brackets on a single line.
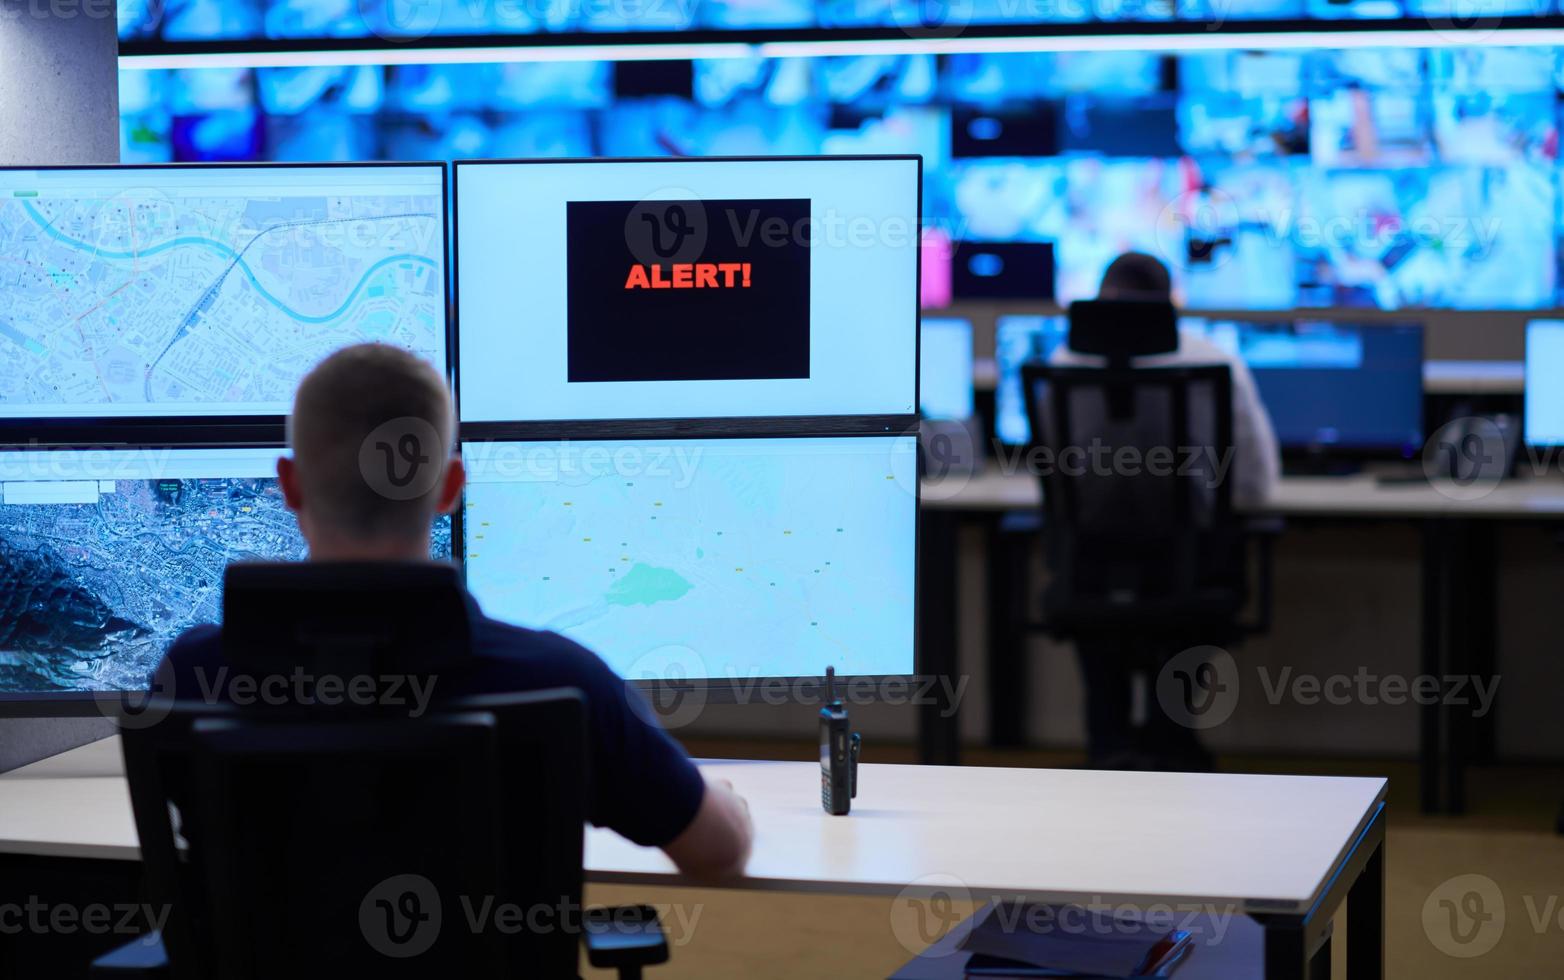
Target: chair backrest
[(1136, 471), (293, 844), (1121, 329), (344, 618)]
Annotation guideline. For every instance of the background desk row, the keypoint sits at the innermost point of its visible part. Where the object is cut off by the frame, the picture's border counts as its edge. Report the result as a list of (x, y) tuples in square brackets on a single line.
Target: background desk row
[(1457, 621)]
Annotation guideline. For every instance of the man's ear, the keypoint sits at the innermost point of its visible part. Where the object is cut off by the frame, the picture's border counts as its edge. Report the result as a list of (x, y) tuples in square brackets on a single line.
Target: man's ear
[(288, 479), (451, 486)]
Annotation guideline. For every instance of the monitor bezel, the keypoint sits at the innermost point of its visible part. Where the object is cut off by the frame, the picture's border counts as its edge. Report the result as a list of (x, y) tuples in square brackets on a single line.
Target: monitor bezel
[(455, 271), (725, 690), (151, 429)]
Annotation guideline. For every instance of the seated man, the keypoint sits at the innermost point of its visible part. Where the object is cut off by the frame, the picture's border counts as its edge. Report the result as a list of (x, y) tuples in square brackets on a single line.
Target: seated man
[(1108, 670), (643, 784)]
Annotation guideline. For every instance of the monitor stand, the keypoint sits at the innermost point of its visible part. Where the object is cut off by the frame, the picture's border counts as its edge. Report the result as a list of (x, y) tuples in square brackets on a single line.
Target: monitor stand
[(26, 740)]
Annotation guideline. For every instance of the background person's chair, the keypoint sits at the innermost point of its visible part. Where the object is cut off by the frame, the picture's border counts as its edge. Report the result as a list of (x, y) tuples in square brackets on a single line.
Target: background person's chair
[(1145, 554), (1141, 533), (296, 836)]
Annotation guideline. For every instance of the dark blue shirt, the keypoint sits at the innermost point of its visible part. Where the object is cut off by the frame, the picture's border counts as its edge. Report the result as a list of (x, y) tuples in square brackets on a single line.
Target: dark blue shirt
[(644, 786)]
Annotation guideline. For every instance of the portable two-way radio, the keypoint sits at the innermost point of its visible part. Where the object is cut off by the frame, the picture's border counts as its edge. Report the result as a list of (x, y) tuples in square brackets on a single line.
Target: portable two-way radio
[(839, 750)]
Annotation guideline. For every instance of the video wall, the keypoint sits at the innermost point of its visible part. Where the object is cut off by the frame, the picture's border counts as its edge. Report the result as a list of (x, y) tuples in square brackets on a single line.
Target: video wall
[(1375, 178), (199, 20)]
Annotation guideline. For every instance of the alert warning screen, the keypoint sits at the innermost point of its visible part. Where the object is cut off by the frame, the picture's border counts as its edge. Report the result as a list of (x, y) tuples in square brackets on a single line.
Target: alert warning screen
[(687, 290)]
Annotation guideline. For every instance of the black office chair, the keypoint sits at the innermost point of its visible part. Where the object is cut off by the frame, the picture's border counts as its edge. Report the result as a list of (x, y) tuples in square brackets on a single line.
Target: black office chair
[(296, 837), (1152, 546), (1147, 556)]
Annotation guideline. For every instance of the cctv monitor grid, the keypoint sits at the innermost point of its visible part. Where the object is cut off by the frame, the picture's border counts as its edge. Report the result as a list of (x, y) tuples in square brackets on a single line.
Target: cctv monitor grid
[(361, 258)]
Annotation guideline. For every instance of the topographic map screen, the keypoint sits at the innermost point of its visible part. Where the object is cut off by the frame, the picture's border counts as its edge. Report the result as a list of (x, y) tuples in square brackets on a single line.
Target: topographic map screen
[(711, 558), (208, 291), (107, 555)]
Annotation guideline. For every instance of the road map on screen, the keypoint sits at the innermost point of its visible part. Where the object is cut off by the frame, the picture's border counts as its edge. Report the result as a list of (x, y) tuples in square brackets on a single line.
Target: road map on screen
[(200, 292)]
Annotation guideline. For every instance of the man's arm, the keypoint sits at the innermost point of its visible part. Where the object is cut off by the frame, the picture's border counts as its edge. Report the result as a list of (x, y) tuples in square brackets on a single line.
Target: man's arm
[(644, 785), (717, 842)]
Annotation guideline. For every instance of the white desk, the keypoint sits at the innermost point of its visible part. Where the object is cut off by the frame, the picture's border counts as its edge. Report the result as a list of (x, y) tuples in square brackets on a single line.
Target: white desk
[(1070, 834), (1263, 845), (1474, 377), (1048, 834)]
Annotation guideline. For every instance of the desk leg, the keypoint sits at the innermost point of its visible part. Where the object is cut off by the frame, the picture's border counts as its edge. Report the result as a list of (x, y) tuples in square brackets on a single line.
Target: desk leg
[(1298, 947), (1009, 587), (1463, 617), (1459, 623), (1436, 566), (1481, 613), (1285, 955), (1319, 963), (1472, 652), (939, 730), (1366, 920)]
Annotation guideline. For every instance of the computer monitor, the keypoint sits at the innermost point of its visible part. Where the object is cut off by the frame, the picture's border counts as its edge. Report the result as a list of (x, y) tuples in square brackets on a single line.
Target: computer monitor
[(945, 369), (1017, 340), (678, 288), (120, 550), (107, 555), (715, 560), (1544, 395), (1003, 270), (209, 290), (1334, 386)]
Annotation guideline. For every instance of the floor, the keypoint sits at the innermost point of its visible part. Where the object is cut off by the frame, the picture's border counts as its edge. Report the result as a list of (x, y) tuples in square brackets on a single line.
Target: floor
[(1507, 840)]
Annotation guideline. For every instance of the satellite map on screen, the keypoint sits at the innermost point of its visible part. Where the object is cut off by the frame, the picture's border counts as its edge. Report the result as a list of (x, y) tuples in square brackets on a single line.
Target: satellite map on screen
[(124, 576), (98, 576), (167, 293), (720, 558)]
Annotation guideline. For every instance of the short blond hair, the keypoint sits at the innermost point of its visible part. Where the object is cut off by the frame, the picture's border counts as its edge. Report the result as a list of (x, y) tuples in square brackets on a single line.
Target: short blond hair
[(362, 423)]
